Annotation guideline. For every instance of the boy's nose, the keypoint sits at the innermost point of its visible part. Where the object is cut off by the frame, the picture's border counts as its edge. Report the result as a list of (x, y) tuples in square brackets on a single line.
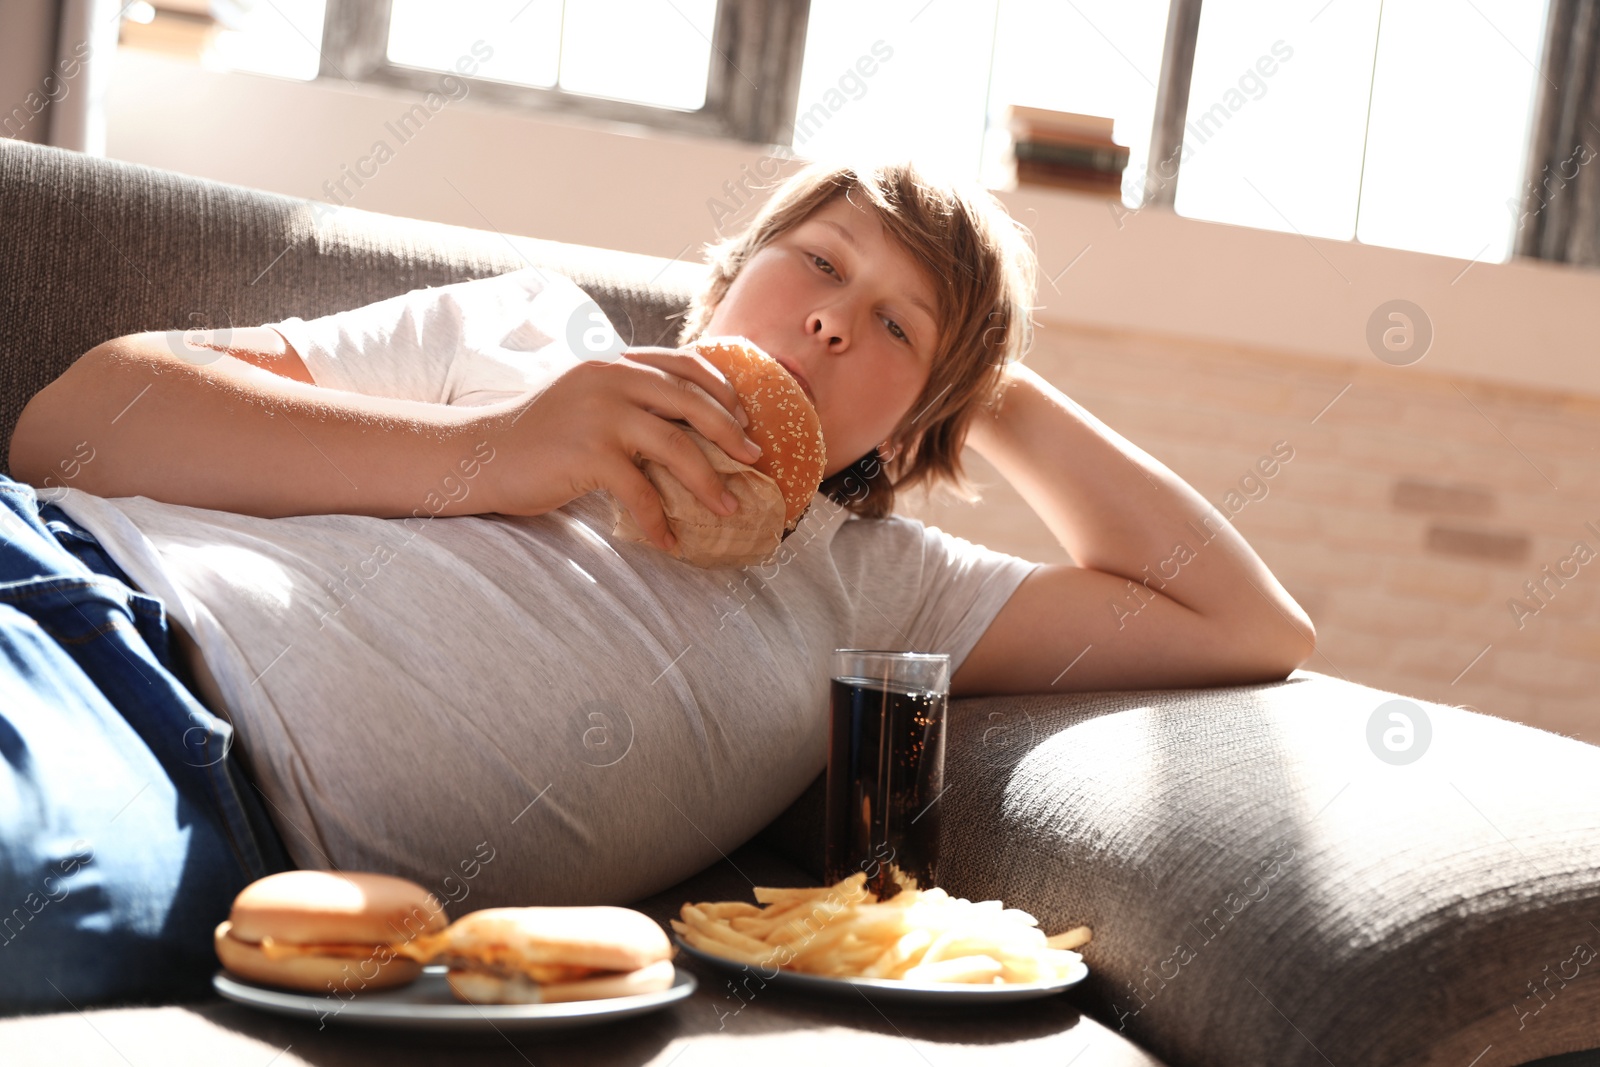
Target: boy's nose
[(831, 329)]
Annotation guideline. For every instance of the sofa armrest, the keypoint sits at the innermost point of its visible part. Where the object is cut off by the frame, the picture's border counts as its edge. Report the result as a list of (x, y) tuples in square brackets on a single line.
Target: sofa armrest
[(1264, 887)]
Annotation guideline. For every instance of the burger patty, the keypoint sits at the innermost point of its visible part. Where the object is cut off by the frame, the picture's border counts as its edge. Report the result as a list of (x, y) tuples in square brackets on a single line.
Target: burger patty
[(274, 949), (543, 973)]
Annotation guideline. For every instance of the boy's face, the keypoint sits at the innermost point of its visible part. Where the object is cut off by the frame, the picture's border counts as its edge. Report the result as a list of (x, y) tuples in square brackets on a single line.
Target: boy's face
[(838, 301)]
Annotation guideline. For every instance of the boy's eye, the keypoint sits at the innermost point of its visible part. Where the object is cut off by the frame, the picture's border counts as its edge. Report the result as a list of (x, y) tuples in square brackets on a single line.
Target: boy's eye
[(894, 327)]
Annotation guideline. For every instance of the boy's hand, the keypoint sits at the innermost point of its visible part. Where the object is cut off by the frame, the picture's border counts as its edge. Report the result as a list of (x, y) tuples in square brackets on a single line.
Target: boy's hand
[(586, 429)]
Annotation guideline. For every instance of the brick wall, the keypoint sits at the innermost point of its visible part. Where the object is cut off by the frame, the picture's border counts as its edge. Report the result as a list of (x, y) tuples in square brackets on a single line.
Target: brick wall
[(1416, 510)]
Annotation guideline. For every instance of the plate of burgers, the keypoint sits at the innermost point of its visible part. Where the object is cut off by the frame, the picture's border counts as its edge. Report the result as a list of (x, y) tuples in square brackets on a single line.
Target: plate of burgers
[(376, 950)]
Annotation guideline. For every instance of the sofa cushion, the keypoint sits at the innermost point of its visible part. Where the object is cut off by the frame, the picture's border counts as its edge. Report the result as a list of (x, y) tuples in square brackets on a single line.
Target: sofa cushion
[(1265, 887), (92, 249)]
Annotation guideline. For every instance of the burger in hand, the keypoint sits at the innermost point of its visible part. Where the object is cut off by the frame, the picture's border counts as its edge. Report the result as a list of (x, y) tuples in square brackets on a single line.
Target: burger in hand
[(773, 492)]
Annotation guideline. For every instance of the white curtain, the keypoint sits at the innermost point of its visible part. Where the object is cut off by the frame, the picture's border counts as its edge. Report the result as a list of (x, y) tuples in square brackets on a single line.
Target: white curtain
[(56, 59)]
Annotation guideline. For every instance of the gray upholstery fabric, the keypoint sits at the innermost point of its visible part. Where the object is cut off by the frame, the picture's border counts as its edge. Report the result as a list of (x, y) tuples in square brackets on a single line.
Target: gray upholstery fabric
[(91, 249), (1417, 905)]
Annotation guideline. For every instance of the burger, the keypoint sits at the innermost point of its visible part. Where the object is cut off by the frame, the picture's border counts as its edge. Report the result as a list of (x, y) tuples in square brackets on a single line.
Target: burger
[(546, 955), (316, 930), (773, 492)]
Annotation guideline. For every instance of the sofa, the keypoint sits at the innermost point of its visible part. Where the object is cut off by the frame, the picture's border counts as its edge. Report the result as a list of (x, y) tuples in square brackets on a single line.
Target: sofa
[(1268, 881)]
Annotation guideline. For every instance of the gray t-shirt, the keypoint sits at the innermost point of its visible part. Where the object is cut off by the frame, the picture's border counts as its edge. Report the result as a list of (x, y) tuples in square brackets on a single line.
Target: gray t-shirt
[(597, 718)]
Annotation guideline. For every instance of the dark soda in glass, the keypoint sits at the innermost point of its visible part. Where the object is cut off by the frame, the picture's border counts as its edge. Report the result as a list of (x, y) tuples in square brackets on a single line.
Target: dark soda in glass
[(885, 772)]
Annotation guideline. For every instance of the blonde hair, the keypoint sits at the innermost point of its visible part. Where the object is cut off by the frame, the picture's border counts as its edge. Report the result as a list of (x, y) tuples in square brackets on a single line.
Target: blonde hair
[(982, 266)]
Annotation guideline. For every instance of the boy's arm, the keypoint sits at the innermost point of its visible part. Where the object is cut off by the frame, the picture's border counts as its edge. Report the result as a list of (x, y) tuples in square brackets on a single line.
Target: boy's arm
[(243, 430), (1163, 591)]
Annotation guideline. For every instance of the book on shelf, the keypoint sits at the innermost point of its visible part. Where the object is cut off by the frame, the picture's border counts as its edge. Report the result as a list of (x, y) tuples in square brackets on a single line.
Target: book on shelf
[(1042, 124), (1033, 172), (1065, 150), (1091, 157)]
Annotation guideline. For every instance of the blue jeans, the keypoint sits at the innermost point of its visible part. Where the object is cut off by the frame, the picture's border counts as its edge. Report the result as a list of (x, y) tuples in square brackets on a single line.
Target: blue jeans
[(127, 825)]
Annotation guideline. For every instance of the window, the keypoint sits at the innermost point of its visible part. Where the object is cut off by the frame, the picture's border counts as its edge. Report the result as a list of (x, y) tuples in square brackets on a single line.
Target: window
[(280, 37), (525, 38), (1447, 145), (1409, 133), (1404, 125), (725, 68), (951, 70), (1303, 115), (903, 77), (650, 53), (1277, 116)]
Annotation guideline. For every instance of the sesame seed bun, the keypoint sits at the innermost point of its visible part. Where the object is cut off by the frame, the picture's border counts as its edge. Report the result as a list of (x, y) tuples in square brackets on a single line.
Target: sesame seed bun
[(782, 419)]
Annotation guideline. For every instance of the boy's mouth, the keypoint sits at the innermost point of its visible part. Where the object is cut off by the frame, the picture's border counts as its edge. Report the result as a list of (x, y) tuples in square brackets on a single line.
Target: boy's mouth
[(805, 386)]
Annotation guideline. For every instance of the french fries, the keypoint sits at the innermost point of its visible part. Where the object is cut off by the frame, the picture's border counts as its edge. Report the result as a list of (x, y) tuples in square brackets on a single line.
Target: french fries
[(918, 935)]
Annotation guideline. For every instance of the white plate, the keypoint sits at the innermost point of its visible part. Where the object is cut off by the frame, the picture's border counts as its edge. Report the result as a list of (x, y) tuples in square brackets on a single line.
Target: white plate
[(428, 1004), (892, 990)]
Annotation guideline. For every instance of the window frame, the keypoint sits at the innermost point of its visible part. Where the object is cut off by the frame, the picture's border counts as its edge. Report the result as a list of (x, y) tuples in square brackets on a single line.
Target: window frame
[(748, 36), (1555, 229), (1543, 239), (1172, 103)]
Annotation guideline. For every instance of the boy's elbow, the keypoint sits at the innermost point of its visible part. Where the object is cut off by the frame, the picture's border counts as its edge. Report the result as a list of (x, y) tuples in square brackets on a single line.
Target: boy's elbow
[(47, 431), (25, 453), (1299, 652), (1291, 644)]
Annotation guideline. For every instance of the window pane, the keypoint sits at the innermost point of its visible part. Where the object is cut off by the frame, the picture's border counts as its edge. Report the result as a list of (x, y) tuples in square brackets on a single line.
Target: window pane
[(1277, 114), (649, 51), (525, 36), (280, 37), (1092, 57), (1452, 105), (898, 78)]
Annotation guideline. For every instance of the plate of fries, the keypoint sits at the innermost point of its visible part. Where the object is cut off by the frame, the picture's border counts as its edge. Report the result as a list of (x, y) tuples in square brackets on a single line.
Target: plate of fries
[(917, 946)]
